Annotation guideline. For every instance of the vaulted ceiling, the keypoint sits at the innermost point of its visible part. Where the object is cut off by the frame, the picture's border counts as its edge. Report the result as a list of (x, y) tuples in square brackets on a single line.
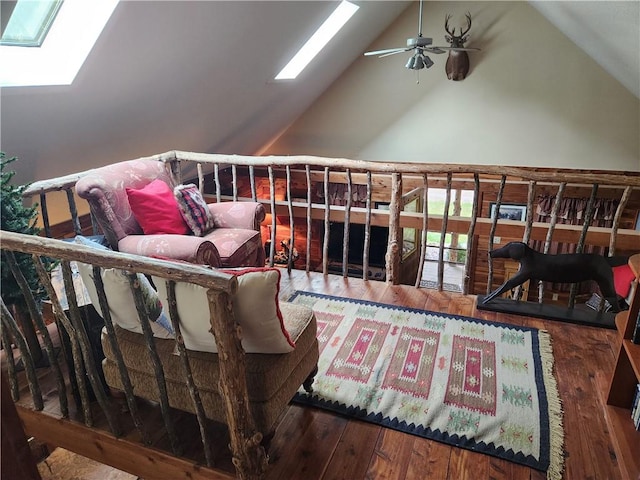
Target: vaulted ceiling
[(199, 76)]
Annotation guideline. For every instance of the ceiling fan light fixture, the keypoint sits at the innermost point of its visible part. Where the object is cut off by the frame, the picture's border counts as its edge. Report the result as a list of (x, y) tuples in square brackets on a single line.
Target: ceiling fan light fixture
[(418, 61), (411, 62), (428, 63)]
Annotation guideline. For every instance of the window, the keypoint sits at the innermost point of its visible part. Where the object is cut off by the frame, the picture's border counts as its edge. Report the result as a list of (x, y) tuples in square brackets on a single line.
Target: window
[(71, 36), (455, 244), (318, 40), (29, 21)]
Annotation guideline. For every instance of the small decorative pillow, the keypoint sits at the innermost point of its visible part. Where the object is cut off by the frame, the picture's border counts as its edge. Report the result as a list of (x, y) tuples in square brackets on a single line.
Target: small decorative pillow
[(156, 209), (120, 298), (194, 209), (255, 306)]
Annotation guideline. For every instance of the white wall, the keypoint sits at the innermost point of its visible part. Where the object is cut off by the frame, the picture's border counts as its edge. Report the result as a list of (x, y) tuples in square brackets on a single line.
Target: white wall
[(532, 98)]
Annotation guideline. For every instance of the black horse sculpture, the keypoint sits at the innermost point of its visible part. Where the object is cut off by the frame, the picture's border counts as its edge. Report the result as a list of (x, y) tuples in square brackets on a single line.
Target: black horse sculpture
[(563, 268)]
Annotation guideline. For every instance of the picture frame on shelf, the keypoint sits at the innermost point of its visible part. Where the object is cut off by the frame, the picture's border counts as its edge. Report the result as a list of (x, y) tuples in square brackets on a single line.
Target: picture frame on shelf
[(510, 211)]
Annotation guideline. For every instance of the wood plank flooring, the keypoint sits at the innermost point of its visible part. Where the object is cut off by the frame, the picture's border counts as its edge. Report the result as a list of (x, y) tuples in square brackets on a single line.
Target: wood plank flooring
[(312, 444), (584, 356)]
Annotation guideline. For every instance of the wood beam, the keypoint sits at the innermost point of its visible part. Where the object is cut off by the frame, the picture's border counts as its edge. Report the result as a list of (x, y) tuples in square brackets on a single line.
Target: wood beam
[(598, 236), (120, 453)]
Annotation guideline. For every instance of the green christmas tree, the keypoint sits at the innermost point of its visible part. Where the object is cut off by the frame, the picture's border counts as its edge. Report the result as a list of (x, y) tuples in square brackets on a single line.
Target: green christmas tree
[(16, 217)]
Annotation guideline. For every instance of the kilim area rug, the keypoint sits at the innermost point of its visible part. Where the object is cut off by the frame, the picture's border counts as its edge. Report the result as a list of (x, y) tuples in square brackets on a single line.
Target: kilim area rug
[(487, 387)]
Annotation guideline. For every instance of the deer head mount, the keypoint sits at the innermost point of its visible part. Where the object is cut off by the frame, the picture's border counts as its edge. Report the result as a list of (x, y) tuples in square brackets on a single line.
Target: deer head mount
[(457, 65), (421, 47)]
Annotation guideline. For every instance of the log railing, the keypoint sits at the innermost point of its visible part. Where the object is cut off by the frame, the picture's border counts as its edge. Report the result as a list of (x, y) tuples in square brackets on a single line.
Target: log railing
[(398, 183), (248, 455), (288, 188)]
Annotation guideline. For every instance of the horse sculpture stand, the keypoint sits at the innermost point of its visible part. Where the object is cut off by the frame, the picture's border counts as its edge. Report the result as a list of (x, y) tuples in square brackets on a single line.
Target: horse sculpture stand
[(564, 268)]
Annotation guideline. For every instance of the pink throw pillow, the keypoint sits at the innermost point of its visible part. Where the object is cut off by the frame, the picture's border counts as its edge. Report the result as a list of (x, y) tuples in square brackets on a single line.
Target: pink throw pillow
[(156, 209)]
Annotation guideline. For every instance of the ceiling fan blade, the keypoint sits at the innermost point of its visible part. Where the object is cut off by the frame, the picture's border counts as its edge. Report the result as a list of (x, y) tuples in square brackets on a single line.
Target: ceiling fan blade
[(388, 50), (393, 53), (455, 49), (434, 49)]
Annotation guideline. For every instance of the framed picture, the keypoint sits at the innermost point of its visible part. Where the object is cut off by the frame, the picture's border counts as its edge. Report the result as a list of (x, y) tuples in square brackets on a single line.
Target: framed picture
[(510, 212)]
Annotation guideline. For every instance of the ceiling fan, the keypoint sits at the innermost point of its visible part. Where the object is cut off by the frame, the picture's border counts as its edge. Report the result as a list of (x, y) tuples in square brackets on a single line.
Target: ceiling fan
[(419, 45)]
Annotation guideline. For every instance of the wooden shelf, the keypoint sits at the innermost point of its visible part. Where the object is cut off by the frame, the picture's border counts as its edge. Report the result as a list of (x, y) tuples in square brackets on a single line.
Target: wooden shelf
[(626, 439), (633, 353)]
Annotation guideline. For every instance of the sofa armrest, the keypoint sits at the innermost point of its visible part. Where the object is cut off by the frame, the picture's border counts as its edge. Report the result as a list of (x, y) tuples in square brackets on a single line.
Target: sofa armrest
[(246, 215), (186, 248)]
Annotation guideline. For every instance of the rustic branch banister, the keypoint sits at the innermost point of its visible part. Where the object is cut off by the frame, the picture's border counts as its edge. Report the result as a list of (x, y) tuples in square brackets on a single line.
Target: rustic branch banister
[(11, 365), (248, 453), (186, 367), (367, 229), (90, 366), (471, 233), (298, 192), (425, 228), (627, 239), (492, 232), (519, 173), (308, 243), (36, 316), (9, 323), (443, 232), (552, 226), (163, 396), (412, 181), (347, 227), (122, 369), (300, 161)]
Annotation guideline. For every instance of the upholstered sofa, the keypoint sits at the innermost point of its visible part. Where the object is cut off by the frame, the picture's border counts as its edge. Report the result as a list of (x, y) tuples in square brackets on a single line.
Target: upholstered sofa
[(272, 379), (279, 339), (232, 238)]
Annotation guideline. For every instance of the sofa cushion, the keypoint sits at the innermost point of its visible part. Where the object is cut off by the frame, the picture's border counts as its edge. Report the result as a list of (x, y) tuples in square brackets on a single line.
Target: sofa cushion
[(184, 248), (194, 209), (255, 305), (155, 208), (266, 373), (236, 246), (120, 298), (121, 302), (272, 380)]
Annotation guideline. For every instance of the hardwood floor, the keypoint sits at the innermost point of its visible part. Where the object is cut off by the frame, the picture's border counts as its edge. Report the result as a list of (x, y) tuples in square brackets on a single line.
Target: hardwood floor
[(329, 447), (312, 444)]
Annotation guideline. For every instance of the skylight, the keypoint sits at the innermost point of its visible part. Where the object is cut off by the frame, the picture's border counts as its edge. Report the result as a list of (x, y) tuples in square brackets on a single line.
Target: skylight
[(58, 59), (29, 22), (318, 40)]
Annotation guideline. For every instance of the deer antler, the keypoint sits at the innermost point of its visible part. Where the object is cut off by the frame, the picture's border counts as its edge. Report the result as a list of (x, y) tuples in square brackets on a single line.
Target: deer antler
[(462, 34), (446, 25)]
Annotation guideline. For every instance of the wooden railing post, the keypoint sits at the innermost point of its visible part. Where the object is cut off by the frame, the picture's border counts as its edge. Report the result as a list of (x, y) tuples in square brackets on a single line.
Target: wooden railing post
[(249, 456), (394, 248)]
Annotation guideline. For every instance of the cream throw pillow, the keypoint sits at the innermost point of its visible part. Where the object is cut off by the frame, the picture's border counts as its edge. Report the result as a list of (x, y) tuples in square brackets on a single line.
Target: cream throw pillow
[(120, 298), (255, 306)]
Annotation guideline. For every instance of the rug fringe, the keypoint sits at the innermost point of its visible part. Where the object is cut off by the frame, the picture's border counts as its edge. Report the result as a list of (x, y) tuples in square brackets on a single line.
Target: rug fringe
[(556, 412)]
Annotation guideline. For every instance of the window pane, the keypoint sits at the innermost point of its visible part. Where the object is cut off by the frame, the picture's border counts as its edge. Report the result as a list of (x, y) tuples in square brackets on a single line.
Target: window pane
[(30, 22)]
